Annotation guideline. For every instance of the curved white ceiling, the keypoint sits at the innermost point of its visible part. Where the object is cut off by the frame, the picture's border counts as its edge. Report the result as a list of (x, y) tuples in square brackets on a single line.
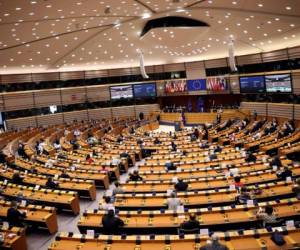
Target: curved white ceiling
[(64, 35)]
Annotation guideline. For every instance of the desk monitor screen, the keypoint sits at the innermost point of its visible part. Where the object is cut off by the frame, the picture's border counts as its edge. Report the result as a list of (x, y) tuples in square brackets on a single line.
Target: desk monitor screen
[(144, 90), (279, 83), (252, 84), (119, 92)]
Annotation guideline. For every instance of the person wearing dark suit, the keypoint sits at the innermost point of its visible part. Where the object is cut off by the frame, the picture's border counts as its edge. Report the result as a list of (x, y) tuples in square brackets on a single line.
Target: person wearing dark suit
[(170, 166), (135, 176), (17, 178), (64, 174), (111, 224), (14, 216), (181, 186), (284, 174), (214, 244), (191, 224), (51, 184)]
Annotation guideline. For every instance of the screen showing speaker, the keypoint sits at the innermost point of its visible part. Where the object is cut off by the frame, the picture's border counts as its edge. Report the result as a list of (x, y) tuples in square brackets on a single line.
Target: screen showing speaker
[(144, 90), (278, 83), (175, 86), (119, 92), (252, 84), (216, 83)]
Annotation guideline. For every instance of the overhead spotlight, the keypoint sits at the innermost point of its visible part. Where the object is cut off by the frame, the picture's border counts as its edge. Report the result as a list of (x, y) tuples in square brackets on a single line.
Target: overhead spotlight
[(107, 10), (146, 15)]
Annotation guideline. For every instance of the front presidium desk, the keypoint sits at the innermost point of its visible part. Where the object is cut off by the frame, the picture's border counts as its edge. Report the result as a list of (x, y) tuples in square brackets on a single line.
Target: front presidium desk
[(251, 178), (48, 197), (164, 222), (235, 240), (270, 191), (36, 216), (14, 238)]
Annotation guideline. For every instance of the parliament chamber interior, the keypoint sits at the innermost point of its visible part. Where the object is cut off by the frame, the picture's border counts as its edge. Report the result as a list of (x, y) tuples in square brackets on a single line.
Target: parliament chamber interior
[(149, 124)]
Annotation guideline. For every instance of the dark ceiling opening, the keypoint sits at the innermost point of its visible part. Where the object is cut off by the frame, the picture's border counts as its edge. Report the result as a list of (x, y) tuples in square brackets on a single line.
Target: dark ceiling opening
[(172, 21)]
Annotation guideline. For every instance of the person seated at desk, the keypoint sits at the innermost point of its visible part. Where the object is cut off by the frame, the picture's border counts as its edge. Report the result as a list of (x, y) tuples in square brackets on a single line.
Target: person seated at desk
[(267, 216), (191, 224), (232, 170), (14, 216), (64, 174), (173, 147), (276, 162), (111, 224), (108, 205), (217, 149), (33, 170), (20, 197), (181, 186), (89, 159), (56, 145), (117, 189), (157, 141), (296, 188), (214, 244), (283, 174), (51, 184), (237, 182), (244, 196), (17, 178), (250, 157), (173, 202), (170, 166), (49, 163), (135, 176)]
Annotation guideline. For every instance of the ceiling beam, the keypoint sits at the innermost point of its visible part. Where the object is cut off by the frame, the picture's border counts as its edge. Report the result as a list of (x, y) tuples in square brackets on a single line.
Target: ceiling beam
[(66, 18), (195, 3), (145, 5), (57, 62)]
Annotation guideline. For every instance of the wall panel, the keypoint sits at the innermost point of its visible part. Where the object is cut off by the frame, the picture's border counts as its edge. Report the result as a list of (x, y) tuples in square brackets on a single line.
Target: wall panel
[(18, 100), (73, 95), (98, 93), (249, 59), (121, 112), (280, 110), (260, 107), (44, 98), (69, 117), (48, 120), (296, 82), (103, 113), (146, 109), (21, 123)]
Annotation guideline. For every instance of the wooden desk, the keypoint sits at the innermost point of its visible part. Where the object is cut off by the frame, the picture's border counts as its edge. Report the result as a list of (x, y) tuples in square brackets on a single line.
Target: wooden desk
[(58, 199), (164, 221), (204, 183), (250, 239), (38, 216), (84, 188), (200, 198), (14, 239)]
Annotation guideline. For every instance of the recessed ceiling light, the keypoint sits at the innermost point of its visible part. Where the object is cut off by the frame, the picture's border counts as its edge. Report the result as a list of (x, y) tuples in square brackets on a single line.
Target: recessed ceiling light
[(260, 5), (288, 7)]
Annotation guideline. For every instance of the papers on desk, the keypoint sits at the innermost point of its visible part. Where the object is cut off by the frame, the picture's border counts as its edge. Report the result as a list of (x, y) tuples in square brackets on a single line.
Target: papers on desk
[(108, 193), (37, 187), (181, 216), (169, 192), (274, 167), (290, 224), (5, 182), (289, 179), (5, 225), (90, 233), (250, 202), (232, 187), (204, 231), (180, 209), (23, 203), (175, 179)]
